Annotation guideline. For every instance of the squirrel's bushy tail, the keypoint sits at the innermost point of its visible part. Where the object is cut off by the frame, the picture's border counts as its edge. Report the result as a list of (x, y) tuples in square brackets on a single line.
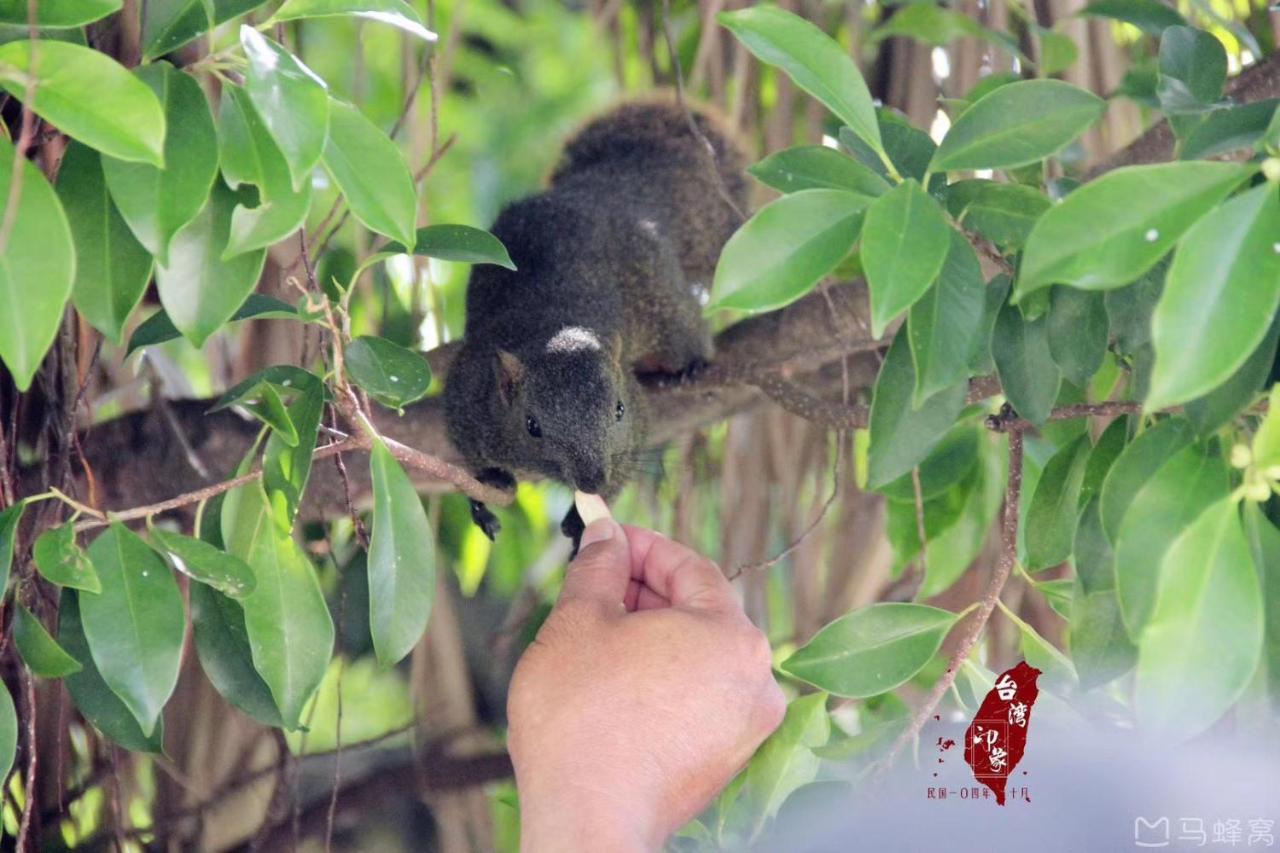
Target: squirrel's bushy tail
[(655, 130)]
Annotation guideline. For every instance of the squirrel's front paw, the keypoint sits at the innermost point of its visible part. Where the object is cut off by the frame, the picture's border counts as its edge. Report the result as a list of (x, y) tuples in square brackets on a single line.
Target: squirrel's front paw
[(485, 520)]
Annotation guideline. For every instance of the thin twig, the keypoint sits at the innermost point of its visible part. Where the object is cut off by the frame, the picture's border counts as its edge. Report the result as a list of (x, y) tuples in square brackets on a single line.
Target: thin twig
[(33, 763)]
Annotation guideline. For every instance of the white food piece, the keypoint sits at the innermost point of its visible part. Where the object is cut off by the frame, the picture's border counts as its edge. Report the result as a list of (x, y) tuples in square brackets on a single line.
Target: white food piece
[(591, 507)]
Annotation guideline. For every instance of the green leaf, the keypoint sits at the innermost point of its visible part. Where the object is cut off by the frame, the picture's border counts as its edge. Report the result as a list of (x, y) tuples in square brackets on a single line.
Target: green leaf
[(1100, 646), (136, 625), (1078, 332), (1002, 213), (292, 101), (402, 570), (1058, 51), (285, 376), (8, 733), (1136, 464), (905, 241), (63, 562), (1220, 405), (1110, 231), (202, 562), (460, 243), (40, 652), (939, 514), (1051, 517), (1219, 299), (397, 13), (1203, 642), (980, 362), (786, 248), (223, 646), (1193, 70), (871, 650), (1058, 671), (90, 692), (949, 554), (169, 24), (1222, 131), (393, 375), (58, 13), (265, 404), (901, 434), (39, 249), (199, 290), (371, 173), (1102, 457), (1266, 441), (954, 458), (157, 202), (945, 325), (1170, 501), (288, 624), (112, 268), (812, 60), (817, 167), (786, 761), (1129, 310), (1094, 559), (158, 328), (9, 520), (1150, 16), (1028, 373), (1264, 543), (89, 96), (285, 468), (1018, 124)]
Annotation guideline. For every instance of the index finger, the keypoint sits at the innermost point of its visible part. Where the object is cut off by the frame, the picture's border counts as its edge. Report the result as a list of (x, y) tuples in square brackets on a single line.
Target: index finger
[(676, 572)]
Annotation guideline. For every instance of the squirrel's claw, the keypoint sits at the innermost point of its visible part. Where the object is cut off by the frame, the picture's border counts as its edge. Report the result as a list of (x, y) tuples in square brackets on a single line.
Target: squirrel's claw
[(485, 520)]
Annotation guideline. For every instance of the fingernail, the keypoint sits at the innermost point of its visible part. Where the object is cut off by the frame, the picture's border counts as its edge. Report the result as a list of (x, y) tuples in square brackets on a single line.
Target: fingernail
[(600, 530)]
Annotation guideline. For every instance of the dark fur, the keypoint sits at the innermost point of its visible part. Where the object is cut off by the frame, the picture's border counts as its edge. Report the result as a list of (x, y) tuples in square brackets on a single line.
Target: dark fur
[(621, 242)]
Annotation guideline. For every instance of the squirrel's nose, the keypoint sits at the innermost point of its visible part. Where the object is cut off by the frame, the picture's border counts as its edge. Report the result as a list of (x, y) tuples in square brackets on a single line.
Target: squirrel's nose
[(590, 478)]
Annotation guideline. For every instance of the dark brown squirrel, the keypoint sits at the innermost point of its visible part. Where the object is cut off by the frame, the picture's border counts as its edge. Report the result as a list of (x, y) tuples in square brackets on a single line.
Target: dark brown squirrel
[(612, 262)]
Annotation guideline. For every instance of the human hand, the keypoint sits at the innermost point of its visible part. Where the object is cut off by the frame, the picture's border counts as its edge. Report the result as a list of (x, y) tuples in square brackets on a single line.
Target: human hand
[(645, 691)]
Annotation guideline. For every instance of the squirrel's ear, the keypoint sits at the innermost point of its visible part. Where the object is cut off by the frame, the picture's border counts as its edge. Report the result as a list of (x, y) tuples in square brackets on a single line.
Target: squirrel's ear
[(509, 370)]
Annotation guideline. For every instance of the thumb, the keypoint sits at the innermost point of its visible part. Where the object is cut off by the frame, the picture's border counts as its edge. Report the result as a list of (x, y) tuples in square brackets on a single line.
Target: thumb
[(602, 569)]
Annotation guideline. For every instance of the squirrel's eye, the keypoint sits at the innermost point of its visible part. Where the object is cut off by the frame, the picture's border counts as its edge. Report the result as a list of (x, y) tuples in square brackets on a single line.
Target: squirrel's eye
[(531, 424), (620, 411)]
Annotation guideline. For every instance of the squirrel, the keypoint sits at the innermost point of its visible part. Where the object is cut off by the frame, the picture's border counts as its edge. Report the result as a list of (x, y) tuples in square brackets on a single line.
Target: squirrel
[(613, 263)]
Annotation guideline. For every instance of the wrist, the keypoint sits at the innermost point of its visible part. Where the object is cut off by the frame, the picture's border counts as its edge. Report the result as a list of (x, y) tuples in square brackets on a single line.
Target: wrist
[(574, 819)]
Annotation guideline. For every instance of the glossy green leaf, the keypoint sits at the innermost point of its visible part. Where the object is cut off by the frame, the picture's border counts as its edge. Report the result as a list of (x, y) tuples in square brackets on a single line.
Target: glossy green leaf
[(1204, 639), (393, 375), (157, 202), (1137, 463), (1266, 441), (8, 733), (202, 562), (265, 404), (1167, 503), (370, 171), (1264, 544), (402, 570), (946, 324), (1078, 332), (1115, 228), (460, 243), (949, 554), (1052, 514), (1220, 405), (292, 101), (1225, 130), (786, 761), (1100, 646), (37, 268), (199, 290), (223, 646), (939, 514), (285, 376), (813, 60), (58, 13), (936, 26), (1002, 213), (1193, 70), (1150, 16), (288, 624), (1028, 373), (397, 13), (1102, 458), (89, 97), (63, 562), (112, 267), (40, 652), (786, 248), (954, 458), (1057, 672), (158, 328), (1058, 51), (1094, 559), (817, 167), (980, 362), (9, 520), (902, 434), (871, 650), (1018, 124), (1129, 310), (136, 625), (905, 241), (90, 693), (169, 24), (286, 468), (1219, 299)]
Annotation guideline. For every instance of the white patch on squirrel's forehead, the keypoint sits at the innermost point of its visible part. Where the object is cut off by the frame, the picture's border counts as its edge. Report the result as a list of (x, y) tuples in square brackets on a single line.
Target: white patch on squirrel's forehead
[(649, 226), (573, 339)]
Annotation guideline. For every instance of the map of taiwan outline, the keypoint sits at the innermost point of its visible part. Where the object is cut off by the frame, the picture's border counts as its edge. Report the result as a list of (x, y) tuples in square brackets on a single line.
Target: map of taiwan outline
[(997, 737)]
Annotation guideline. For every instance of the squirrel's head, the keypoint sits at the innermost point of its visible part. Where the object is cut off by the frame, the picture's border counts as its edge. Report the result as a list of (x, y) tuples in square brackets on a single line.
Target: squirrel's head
[(568, 408)]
